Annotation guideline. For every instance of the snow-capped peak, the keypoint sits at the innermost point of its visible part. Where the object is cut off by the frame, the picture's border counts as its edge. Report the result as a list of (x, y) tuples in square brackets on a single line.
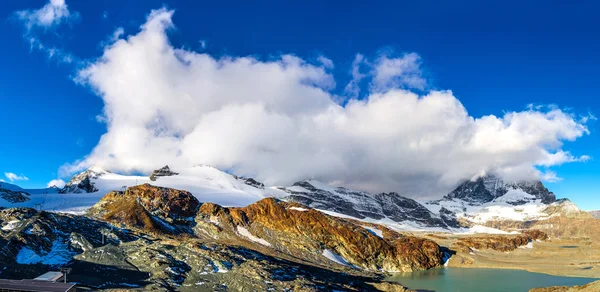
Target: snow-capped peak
[(492, 188)]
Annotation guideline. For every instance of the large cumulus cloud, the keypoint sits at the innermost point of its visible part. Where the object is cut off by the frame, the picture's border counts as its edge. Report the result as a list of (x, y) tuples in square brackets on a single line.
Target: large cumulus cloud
[(279, 121)]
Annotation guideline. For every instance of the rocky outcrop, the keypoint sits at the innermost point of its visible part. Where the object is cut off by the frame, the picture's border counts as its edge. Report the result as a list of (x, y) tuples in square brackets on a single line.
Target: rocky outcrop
[(251, 182), (488, 188), (148, 207), (83, 182), (15, 196), (498, 242), (312, 235), (591, 287), (163, 171)]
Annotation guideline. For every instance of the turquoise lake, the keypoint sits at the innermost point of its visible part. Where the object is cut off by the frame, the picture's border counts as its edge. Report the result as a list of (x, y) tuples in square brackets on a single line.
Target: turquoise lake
[(481, 280)]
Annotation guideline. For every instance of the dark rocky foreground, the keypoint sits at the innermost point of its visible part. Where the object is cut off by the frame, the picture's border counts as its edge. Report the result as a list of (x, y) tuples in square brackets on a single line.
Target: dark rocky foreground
[(151, 238)]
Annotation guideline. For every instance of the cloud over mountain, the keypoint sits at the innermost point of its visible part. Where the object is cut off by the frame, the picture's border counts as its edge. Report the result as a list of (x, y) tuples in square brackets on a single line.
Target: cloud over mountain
[(278, 121)]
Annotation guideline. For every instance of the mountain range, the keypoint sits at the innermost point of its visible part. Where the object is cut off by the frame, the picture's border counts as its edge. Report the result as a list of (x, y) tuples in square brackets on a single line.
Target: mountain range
[(202, 222)]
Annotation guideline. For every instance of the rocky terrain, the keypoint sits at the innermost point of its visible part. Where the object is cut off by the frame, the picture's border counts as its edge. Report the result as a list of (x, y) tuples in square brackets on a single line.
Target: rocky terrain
[(591, 287), (310, 234), (154, 238)]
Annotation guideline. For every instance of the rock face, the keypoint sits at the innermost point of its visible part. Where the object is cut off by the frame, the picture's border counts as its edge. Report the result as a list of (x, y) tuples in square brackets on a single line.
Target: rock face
[(148, 207), (363, 204), (163, 171), (14, 196), (83, 182), (487, 189), (104, 256), (498, 242), (314, 236), (251, 182)]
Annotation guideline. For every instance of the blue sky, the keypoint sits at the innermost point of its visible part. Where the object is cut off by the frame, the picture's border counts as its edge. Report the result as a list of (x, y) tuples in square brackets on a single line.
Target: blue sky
[(495, 57)]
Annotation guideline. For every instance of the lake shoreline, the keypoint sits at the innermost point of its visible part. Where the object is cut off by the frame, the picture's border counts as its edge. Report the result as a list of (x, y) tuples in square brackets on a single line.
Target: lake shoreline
[(466, 279)]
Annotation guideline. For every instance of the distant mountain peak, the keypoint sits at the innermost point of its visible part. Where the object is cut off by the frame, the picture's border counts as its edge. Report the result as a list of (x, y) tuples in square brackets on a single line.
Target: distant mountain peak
[(83, 182), (490, 187)]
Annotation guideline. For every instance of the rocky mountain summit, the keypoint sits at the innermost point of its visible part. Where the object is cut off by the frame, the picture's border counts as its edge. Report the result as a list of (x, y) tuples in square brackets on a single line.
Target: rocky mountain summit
[(83, 182), (489, 188), (148, 207)]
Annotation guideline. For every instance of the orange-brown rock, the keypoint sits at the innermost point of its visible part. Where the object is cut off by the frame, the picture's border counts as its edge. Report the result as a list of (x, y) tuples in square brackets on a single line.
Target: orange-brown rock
[(591, 287), (148, 207), (498, 242), (308, 233)]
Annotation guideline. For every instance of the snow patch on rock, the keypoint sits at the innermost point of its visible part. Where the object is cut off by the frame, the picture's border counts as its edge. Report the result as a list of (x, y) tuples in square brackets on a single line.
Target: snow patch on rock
[(298, 209), (11, 225), (58, 255), (245, 233), (335, 257), (373, 230)]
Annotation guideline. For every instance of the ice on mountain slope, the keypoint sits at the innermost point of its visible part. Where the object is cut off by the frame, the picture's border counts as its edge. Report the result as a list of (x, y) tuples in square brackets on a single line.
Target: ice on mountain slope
[(206, 183), (363, 205)]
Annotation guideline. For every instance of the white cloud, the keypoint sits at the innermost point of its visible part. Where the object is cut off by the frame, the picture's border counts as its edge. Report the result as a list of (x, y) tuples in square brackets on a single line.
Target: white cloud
[(352, 89), (399, 72), (277, 121), (1, 180), (59, 183), (326, 62), (550, 176), (202, 44), (52, 14), (13, 177), (47, 18), (52, 53)]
